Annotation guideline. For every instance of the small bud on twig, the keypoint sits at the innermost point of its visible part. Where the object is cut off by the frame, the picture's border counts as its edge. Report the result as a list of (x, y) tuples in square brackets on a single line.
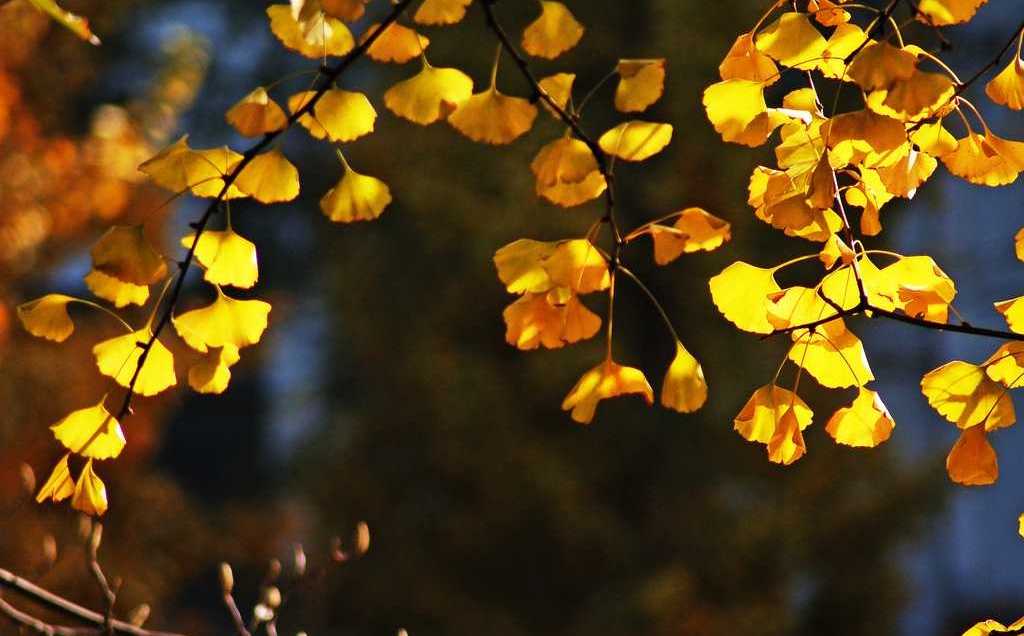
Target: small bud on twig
[(362, 538), (227, 579)]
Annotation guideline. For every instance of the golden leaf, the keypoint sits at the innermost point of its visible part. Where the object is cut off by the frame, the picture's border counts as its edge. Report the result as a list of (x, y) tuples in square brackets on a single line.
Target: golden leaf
[(493, 118), (1013, 311), (963, 394), (438, 12), (116, 291), (972, 460), (430, 95), (684, 388), (59, 485), (356, 197), (118, 358), (866, 423), (91, 432), (213, 373), (256, 114), (345, 10), (520, 266), (315, 37), (945, 12), (641, 83), (1006, 365), (338, 115), (90, 495), (737, 110), (559, 89), (225, 322), (792, 41), (47, 317), (125, 253), (636, 140), (396, 43), (554, 32), (694, 230), (551, 319), (879, 65), (745, 62), (832, 354), (741, 292), (604, 381), (775, 416), (229, 258), (1007, 87), (983, 160), (269, 178), (179, 168)]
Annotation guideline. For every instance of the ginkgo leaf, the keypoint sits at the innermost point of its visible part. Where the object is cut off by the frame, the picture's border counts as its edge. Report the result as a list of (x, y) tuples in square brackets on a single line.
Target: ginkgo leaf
[(256, 114), (1007, 88), (430, 95), (554, 32), (344, 10), (90, 495), (396, 43), (964, 394), (972, 460), (520, 266), (844, 41), (269, 178), (229, 258), (213, 373), (832, 354), (985, 628), (694, 230), (118, 358), (792, 41), (1013, 311), (737, 110), (1006, 365), (441, 11), (904, 177), (880, 64), (775, 416), (872, 131), (570, 194), (339, 115), (116, 291), (933, 139), (606, 380), (828, 14), (918, 286), (565, 160), (559, 89), (835, 250), (59, 485), (636, 140), (179, 168), (71, 21), (91, 432), (548, 320), (641, 83), (493, 118), (866, 423), (125, 253), (315, 37), (578, 265), (745, 62), (47, 317), (225, 322), (1018, 244), (923, 95), (741, 291), (978, 161), (796, 306), (684, 388), (945, 12), (356, 197)]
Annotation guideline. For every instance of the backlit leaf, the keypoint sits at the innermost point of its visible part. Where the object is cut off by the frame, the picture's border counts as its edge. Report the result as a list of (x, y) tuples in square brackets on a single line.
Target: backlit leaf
[(90, 495), (745, 62), (90, 432), (47, 317), (396, 43), (430, 95), (118, 358), (832, 354), (521, 268), (339, 115), (684, 388), (559, 88), (977, 160), (116, 291), (972, 460), (964, 394), (944, 12), (880, 64), (636, 140), (59, 485), (1013, 311), (125, 253), (356, 197), (866, 423), (604, 381), (344, 10), (1007, 87), (553, 33), (269, 178), (1006, 365), (225, 322), (694, 230), (441, 11), (256, 114), (641, 83), (737, 110), (775, 416), (229, 258), (791, 41), (493, 118), (179, 168), (578, 265), (546, 319), (741, 293), (315, 37), (213, 373)]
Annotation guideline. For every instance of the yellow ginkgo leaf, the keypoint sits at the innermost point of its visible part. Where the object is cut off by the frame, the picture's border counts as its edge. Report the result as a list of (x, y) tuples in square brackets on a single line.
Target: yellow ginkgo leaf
[(933, 139), (430, 95), (606, 380), (1013, 311), (570, 194), (737, 110), (988, 627), (923, 95), (441, 11), (213, 373), (559, 88), (843, 42), (972, 460), (118, 358), (565, 160), (125, 253), (344, 10), (832, 354), (864, 129), (396, 43), (792, 41), (314, 37), (834, 250), (90, 495), (269, 178), (694, 230), (59, 485), (684, 388), (775, 416), (741, 292), (1006, 365), (225, 322), (91, 432), (978, 160), (520, 266), (745, 62), (116, 291), (879, 65), (1018, 244), (552, 320), (493, 118), (179, 168), (964, 394), (945, 12), (356, 197), (47, 317), (229, 258), (827, 13), (641, 83), (256, 114), (339, 115), (553, 33), (796, 306), (866, 423), (578, 265), (904, 177), (636, 140), (1007, 87)]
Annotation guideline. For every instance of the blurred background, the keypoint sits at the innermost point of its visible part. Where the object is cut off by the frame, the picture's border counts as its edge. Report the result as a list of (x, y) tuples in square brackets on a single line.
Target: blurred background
[(384, 391)]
